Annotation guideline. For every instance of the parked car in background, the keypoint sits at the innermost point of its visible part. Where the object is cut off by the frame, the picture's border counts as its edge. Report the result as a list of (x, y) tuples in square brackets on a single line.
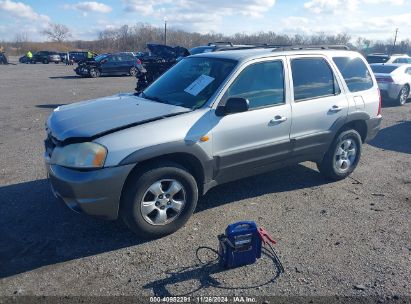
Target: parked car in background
[(394, 81), (383, 58), (63, 57), (78, 56), (158, 60), (24, 59), (3, 58), (211, 119), (46, 57), (109, 64)]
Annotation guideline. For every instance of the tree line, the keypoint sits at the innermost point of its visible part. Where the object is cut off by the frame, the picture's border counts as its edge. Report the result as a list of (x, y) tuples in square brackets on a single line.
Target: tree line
[(135, 38)]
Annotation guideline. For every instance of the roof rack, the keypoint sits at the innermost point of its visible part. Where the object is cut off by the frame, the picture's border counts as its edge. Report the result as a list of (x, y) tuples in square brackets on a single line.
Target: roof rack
[(220, 42), (252, 46), (312, 47)]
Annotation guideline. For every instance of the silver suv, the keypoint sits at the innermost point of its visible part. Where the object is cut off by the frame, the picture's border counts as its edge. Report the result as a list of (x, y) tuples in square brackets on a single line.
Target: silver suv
[(212, 118)]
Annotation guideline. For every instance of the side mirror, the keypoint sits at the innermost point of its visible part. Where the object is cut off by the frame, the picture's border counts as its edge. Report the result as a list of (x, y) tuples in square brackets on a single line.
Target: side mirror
[(103, 61), (233, 105)]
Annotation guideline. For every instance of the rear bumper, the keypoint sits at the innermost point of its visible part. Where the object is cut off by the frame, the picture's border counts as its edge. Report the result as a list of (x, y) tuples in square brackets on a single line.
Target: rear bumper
[(390, 90), (95, 193), (373, 126)]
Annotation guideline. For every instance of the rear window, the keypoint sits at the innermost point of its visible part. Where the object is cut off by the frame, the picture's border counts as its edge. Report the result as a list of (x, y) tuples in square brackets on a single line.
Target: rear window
[(355, 73), (377, 59), (201, 49), (313, 78), (385, 69)]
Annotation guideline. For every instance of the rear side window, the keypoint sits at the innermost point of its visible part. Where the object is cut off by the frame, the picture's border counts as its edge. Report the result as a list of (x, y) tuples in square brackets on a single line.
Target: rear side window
[(355, 73), (127, 57), (261, 83), (313, 78)]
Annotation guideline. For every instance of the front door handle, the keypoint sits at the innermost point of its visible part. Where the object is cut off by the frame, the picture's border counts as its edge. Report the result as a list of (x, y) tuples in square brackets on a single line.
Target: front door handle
[(278, 119), (335, 108)]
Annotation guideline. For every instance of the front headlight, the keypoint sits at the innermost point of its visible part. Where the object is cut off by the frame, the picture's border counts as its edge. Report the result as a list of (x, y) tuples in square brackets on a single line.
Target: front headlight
[(83, 156)]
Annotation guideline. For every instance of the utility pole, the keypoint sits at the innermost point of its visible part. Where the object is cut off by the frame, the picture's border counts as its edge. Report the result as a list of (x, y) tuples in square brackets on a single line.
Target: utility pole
[(165, 31), (395, 40)]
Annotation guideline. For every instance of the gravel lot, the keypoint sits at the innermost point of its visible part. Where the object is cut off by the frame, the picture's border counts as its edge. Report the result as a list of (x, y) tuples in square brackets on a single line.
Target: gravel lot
[(347, 238)]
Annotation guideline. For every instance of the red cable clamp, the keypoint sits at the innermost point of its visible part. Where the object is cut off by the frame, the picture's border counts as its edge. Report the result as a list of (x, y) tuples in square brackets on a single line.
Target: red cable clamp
[(265, 237)]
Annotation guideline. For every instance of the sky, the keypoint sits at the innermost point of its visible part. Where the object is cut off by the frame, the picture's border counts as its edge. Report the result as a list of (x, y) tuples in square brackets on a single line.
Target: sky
[(372, 19)]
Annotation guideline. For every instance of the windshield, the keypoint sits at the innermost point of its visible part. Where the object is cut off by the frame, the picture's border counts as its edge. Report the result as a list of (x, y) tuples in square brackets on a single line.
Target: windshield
[(100, 57), (385, 69), (191, 82)]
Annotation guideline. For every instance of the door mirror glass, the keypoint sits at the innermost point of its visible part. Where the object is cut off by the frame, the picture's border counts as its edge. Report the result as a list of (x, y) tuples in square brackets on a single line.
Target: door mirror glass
[(233, 105)]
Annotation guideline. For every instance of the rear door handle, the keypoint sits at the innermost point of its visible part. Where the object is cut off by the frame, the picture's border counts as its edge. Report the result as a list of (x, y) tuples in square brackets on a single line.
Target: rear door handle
[(335, 108), (278, 119)]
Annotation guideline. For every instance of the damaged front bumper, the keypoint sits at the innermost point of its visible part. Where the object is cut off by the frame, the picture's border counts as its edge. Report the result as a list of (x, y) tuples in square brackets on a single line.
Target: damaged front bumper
[(94, 192)]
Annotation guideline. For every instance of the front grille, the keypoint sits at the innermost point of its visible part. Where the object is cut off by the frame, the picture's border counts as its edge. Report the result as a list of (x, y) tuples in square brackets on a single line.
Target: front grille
[(50, 143)]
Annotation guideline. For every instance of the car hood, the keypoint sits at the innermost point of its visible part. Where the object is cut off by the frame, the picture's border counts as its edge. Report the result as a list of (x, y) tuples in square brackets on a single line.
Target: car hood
[(90, 62), (94, 118)]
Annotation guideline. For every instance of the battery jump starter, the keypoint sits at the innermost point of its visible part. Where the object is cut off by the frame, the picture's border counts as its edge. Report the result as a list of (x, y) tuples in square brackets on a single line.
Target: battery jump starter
[(241, 244)]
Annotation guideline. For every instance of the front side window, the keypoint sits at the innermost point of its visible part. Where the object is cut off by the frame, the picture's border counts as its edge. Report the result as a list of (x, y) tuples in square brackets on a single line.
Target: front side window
[(191, 82), (261, 83), (313, 78), (355, 73)]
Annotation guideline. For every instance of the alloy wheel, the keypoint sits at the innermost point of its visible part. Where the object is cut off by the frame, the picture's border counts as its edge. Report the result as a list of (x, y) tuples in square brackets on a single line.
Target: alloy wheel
[(345, 155), (163, 202), (404, 95)]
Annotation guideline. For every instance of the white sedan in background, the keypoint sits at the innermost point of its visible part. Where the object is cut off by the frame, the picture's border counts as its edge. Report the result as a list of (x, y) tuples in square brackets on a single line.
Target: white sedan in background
[(394, 81)]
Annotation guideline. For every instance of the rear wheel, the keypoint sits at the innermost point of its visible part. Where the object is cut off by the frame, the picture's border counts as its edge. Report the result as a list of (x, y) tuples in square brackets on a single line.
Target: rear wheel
[(342, 157), (403, 95), (159, 201), (94, 73), (45, 61)]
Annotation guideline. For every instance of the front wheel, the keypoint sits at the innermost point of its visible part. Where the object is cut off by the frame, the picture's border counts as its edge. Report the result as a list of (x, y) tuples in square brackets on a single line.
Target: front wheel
[(45, 61), (342, 157), (403, 95), (159, 201), (94, 73)]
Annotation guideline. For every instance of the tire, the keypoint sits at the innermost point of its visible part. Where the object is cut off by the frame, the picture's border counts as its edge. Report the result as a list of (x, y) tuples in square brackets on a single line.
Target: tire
[(56, 62), (133, 71), (94, 73), (45, 61), (339, 161), (163, 177), (403, 95)]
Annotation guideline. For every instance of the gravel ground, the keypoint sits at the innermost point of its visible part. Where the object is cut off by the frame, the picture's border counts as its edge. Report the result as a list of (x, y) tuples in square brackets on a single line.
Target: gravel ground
[(346, 238)]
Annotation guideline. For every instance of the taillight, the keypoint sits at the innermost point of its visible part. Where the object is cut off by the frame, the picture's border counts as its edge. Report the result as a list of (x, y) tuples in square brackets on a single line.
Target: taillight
[(379, 103), (384, 79), (138, 61)]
